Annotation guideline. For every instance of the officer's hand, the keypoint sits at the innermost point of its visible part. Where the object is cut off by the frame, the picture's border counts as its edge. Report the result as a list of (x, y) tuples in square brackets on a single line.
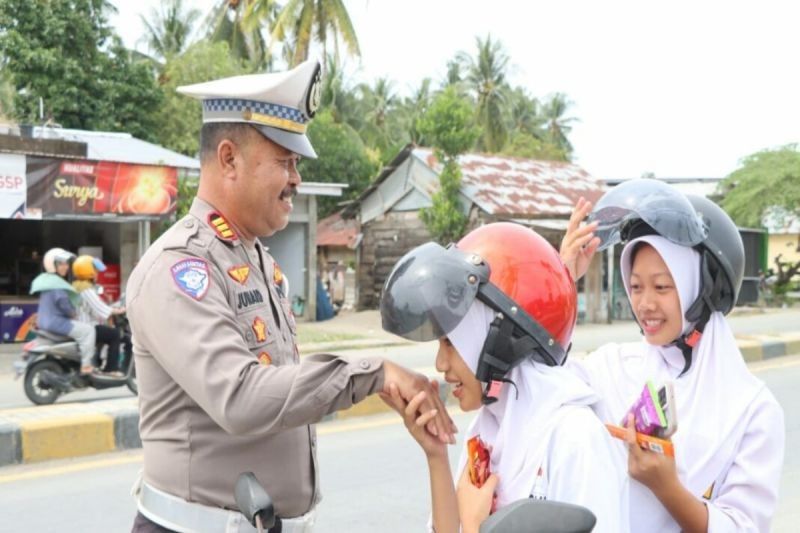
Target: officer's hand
[(415, 422), (410, 383), (579, 243)]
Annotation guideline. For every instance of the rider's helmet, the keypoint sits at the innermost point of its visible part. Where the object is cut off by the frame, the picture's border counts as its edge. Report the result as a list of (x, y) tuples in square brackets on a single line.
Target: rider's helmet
[(645, 207), (55, 256), (86, 267), (508, 267)]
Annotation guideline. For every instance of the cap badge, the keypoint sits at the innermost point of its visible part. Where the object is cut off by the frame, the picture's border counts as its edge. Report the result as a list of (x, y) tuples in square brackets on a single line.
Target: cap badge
[(239, 273), (314, 95), (221, 227)]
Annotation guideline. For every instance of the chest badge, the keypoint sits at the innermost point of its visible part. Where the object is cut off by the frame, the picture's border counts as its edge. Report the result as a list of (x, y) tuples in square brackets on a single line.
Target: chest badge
[(191, 277), (221, 227), (264, 359), (260, 329), (239, 273), (277, 278)]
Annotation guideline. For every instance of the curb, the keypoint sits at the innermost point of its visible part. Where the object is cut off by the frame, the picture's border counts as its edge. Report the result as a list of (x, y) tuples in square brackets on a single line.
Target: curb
[(33, 434)]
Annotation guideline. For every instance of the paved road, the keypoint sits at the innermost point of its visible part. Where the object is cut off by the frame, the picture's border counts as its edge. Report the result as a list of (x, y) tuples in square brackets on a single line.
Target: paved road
[(373, 477), (421, 356)]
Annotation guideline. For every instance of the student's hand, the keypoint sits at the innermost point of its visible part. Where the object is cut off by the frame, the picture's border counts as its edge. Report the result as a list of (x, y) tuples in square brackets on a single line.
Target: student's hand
[(474, 504), (654, 470), (415, 421), (579, 243), (409, 384)]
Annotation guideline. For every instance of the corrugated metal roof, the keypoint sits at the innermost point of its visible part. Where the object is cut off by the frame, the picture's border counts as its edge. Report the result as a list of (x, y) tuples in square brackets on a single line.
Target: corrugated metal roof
[(120, 147), (521, 188), (335, 231)]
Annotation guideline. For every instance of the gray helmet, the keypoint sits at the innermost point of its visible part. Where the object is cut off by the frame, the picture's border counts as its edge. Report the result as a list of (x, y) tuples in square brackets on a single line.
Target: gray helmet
[(723, 257), (645, 206)]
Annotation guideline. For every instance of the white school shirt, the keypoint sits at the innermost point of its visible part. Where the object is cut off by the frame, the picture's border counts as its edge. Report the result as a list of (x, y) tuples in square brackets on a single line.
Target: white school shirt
[(743, 497), (583, 468)]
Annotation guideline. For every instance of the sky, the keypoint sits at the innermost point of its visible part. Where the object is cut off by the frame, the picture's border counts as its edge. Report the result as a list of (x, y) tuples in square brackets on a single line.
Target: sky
[(679, 88)]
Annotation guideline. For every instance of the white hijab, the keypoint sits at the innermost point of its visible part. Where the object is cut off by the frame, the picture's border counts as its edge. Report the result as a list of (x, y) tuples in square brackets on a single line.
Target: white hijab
[(711, 397), (517, 428)]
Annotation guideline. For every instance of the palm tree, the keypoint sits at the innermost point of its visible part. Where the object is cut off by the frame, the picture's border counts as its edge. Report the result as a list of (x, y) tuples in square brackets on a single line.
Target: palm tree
[(486, 78), (557, 124), (168, 30), (227, 22), (337, 96), (379, 102), (525, 114), (320, 19), (414, 108)]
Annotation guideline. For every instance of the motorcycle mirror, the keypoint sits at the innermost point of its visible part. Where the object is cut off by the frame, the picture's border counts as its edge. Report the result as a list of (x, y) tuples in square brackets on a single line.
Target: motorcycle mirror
[(254, 502), (540, 516)]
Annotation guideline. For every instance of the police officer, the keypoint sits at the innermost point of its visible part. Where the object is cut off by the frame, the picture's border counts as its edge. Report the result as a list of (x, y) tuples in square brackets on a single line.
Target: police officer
[(222, 389)]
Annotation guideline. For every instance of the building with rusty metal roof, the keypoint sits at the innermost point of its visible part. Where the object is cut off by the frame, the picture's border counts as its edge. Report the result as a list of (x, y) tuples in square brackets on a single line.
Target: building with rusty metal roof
[(538, 194)]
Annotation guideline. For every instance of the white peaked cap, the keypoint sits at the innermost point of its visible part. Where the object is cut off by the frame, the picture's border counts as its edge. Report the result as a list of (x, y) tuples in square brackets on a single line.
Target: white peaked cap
[(278, 104)]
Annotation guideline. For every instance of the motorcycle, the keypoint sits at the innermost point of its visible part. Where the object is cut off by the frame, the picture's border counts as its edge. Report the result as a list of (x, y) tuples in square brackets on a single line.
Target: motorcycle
[(51, 366), (524, 516)]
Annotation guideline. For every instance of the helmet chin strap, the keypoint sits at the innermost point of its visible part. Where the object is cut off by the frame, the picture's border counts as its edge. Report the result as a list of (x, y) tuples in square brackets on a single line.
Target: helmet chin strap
[(700, 311), (506, 346)]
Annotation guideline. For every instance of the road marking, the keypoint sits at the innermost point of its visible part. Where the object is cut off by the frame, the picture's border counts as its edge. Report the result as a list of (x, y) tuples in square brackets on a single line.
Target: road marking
[(67, 469), (787, 361)]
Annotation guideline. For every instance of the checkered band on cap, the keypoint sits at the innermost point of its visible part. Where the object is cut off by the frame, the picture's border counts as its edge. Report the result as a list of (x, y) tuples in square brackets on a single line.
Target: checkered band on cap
[(237, 109)]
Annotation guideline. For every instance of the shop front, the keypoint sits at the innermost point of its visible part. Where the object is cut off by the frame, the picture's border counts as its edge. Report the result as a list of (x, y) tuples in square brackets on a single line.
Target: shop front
[(103, 208)]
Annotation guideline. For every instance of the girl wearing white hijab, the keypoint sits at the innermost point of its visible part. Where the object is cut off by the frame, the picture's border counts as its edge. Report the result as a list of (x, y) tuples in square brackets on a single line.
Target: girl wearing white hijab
[(545, 441), (730, 440)]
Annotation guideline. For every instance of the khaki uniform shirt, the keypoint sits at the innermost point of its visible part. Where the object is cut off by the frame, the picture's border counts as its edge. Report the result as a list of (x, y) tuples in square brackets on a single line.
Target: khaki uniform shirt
[(222, 389)]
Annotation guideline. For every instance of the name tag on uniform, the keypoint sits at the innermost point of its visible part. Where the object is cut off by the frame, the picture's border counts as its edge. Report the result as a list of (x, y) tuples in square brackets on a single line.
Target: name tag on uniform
[(248, 298)]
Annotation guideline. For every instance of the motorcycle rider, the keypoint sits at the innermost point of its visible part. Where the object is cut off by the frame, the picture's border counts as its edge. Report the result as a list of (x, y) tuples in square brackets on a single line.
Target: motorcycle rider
[(57, 305), (93, 310)]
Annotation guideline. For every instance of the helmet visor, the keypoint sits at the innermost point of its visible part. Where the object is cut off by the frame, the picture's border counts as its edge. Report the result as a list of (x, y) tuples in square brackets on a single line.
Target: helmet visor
[(430, 290), (654, 202)]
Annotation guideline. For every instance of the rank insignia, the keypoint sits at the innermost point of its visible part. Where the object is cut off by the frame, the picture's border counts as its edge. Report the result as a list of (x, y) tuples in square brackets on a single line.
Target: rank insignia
[(221, 227), (277, 275), (191, 277), (709, 492), (260, 329), (264, 359), (239, 273)]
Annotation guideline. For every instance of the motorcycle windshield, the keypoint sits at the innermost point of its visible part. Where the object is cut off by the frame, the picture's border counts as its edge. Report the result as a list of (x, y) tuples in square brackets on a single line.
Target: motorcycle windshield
[(662, 207), (430, 290)]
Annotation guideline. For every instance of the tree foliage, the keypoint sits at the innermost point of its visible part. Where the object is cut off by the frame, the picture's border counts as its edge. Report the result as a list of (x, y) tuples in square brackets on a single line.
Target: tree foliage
[(178, 116), (307, 20), (342, 159), (766, 180), (448, 124), (486, 79), (168, 30), (64, 53)]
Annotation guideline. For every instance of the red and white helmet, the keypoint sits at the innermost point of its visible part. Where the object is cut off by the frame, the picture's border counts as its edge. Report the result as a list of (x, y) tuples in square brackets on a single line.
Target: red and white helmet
[(510, 268)]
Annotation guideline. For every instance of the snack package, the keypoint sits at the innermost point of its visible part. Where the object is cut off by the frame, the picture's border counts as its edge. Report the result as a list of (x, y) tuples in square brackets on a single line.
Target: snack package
[(647, 412), (653, 444), (666, 398), (478, 461)]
